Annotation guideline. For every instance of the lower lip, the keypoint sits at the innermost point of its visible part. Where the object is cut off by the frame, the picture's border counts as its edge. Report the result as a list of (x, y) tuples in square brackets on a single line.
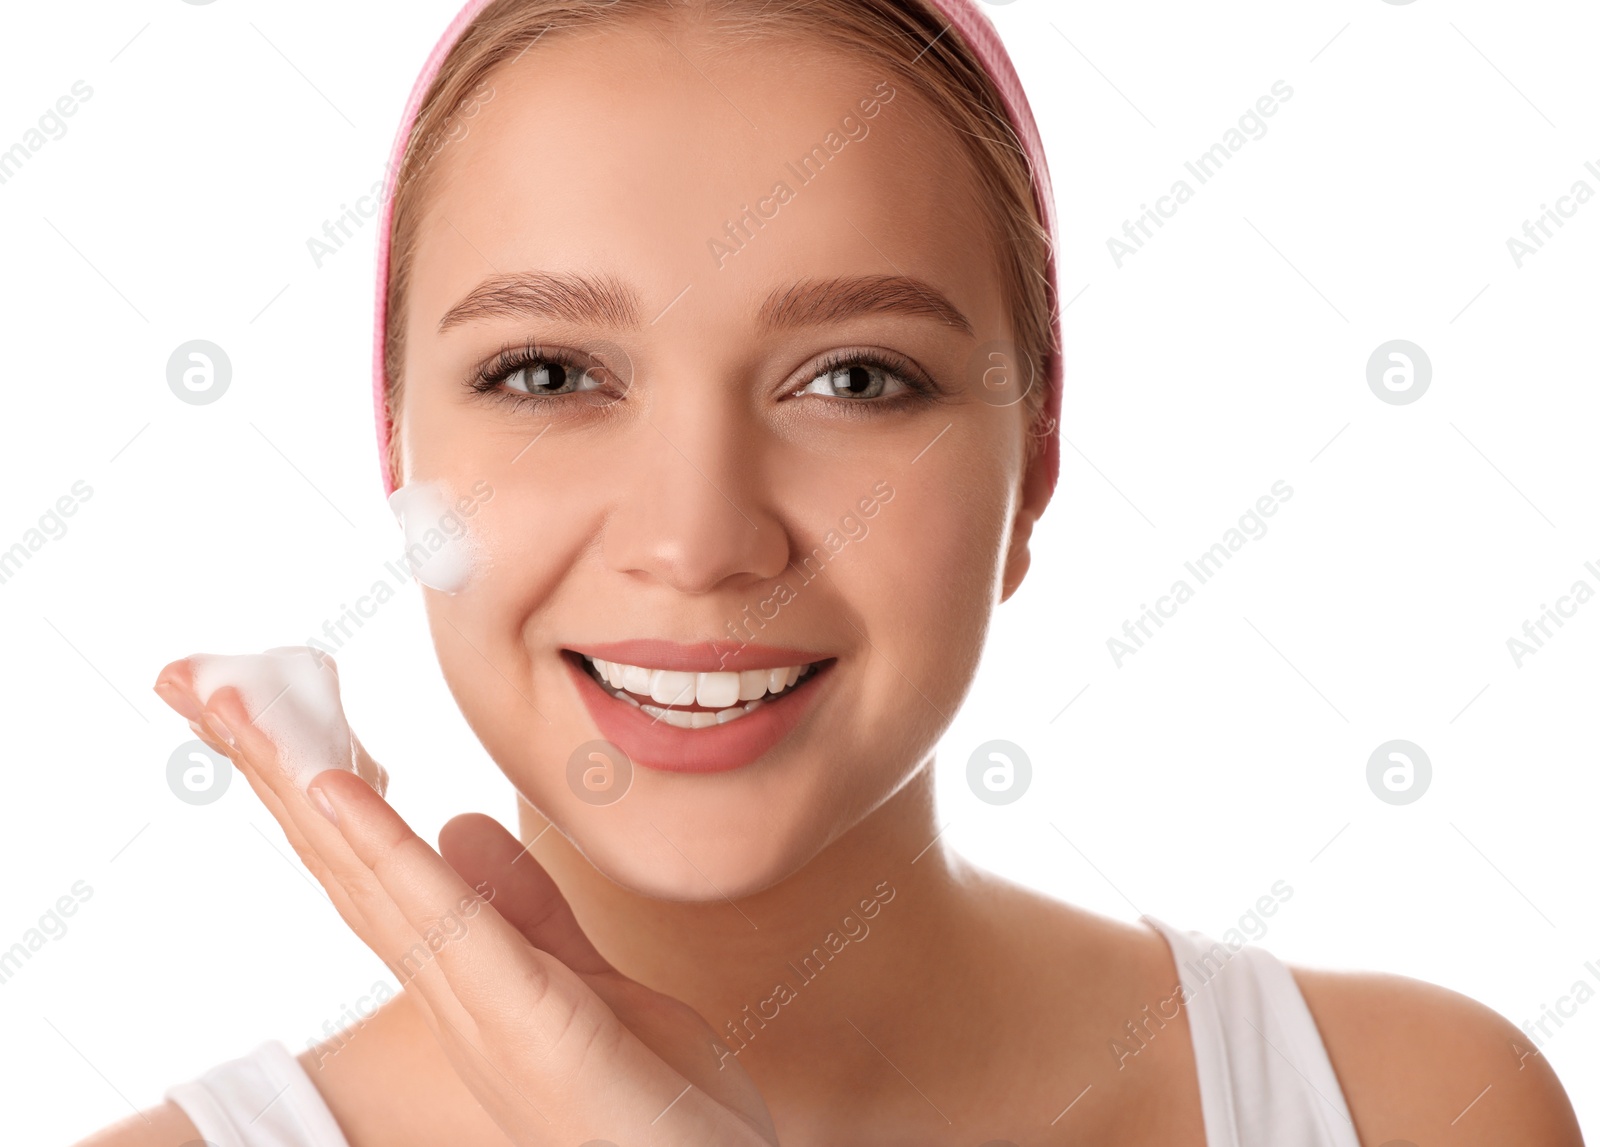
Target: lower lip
[(654, 744)]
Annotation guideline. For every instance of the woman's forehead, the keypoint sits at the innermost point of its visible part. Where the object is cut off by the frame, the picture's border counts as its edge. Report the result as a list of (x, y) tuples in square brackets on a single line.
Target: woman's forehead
[(627, 149)]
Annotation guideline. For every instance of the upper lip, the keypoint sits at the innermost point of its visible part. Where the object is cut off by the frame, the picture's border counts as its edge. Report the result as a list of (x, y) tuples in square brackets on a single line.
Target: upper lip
[(701, 657)]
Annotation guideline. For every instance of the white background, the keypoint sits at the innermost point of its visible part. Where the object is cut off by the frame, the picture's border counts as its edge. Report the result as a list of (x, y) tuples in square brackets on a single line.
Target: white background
[(1230, 353)]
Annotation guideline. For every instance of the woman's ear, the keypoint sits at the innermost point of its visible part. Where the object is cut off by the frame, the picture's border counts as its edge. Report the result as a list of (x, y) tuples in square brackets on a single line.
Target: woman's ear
[(1035, 497)]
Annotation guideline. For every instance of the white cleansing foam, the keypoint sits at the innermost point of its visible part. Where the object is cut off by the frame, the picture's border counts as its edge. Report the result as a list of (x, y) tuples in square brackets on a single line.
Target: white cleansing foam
[(292, 695), (440, 550)]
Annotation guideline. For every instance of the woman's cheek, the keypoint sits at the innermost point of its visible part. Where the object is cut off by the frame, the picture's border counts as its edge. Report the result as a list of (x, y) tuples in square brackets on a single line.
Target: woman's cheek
[(938, 553), (535, 532), (496, 636)]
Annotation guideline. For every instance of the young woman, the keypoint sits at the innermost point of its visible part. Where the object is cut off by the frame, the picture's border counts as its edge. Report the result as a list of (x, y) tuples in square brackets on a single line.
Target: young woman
[(718, 363)]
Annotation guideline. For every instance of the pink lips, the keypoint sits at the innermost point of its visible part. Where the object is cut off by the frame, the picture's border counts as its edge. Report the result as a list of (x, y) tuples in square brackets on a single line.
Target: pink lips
[(654, 744)]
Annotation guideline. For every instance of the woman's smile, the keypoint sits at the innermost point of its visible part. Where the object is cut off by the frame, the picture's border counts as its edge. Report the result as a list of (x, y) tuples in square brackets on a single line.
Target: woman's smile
[(701, 708)]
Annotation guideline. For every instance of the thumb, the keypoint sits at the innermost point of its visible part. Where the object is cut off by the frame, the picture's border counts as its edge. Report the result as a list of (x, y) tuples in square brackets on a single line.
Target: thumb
[(490, 859)]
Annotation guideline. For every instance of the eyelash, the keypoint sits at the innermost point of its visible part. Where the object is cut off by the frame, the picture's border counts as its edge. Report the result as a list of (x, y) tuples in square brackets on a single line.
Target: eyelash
[(919, 388), (488, 379)]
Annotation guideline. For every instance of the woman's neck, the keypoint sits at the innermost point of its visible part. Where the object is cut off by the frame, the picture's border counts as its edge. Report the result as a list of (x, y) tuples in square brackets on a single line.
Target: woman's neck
[(878, 911)]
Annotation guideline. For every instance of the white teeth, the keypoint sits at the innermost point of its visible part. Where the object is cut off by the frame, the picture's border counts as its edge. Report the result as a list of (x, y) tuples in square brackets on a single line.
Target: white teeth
[(636, 680), (683, 719), (699, 719), (670, 716), (725, 695), (716, 690), (669, 687)]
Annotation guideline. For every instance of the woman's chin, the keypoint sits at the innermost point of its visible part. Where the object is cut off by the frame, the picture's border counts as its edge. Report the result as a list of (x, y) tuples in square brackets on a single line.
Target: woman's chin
[(726, 872)]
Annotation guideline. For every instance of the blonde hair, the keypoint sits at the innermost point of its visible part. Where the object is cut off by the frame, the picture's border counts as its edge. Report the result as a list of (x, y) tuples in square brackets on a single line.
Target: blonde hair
[(908, 38)]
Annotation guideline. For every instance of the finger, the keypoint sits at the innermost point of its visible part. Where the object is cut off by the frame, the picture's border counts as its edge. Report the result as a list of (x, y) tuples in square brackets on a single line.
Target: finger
[(428, 895), (349, 884), (320, 847), (378, 921), (482, 956), (209, 738), (361, 899), (176, 686), (189, 708), (480, 849), (522, 891), (170, 686), (262, 758), (539, 1026), (228, 716), (368, 769), (328, 860)]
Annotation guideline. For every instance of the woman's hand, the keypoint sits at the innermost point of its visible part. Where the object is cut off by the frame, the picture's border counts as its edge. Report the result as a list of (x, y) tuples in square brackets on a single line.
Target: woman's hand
[(557, 1045)]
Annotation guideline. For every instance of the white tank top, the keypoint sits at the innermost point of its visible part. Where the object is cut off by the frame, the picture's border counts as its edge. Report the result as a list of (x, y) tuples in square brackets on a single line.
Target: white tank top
[(1265, 1078)]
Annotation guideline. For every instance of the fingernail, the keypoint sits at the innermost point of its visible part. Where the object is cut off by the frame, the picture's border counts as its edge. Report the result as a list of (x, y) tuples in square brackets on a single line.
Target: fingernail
[(180, 701), (320, 799), (219, 729)]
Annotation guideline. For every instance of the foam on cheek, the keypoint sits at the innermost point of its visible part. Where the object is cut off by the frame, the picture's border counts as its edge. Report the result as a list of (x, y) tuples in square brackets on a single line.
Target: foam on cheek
[(441, 552), (292, 695)]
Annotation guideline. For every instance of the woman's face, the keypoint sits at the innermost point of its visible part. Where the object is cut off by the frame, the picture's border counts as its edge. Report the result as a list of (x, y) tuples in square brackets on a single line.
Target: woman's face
[(727, 478)]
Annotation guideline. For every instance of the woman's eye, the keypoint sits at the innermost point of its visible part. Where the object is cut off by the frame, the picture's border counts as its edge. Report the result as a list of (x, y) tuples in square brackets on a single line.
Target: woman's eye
[(546, 378), (855, 380)]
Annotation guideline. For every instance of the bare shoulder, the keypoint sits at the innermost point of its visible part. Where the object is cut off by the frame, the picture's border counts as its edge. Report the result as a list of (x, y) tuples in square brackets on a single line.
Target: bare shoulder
[(1418, 1061), (157, 1127), (1065, 934)]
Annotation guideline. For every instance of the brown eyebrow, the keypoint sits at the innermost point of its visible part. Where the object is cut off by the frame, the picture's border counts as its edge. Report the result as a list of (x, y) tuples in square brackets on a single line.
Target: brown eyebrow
[(606, 301), (818, 301), (602, 301)]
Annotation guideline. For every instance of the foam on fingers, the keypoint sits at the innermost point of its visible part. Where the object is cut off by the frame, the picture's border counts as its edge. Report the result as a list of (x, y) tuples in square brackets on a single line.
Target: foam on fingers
[(292, 695)]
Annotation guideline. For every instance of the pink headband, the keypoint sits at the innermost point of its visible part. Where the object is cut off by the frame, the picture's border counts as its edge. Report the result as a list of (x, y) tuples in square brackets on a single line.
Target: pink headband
[(973, 25)]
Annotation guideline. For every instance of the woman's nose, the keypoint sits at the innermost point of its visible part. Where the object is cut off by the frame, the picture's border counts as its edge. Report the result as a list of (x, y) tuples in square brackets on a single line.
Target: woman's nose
[(692, 503)]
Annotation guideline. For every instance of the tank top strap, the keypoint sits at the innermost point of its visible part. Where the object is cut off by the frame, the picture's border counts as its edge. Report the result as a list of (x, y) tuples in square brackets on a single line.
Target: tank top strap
[(1265, 1076), (264, 1099)]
